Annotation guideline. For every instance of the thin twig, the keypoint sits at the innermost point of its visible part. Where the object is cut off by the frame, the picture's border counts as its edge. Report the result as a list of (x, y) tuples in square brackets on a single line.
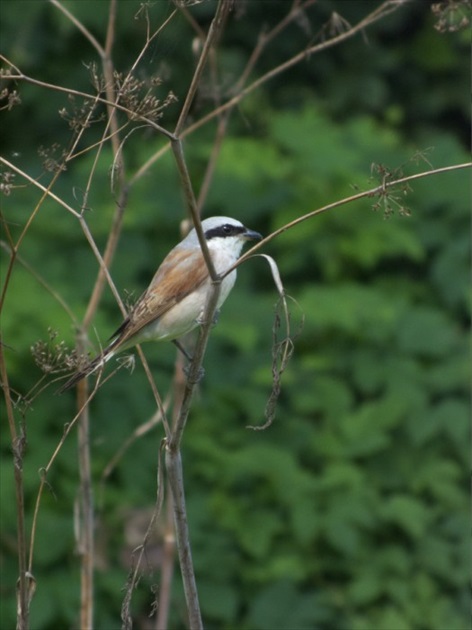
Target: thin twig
[(39, 278), (137, 433), (45, 189), (18, 444), (85, 32), (266, 38), (134, 576), (213, 33), (342, 202), (192, 205), (59, 88), (44, 471), (220, 135)]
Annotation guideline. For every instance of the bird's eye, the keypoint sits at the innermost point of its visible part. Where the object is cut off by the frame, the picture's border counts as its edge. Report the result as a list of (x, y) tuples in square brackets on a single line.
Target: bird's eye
[(227, 229)]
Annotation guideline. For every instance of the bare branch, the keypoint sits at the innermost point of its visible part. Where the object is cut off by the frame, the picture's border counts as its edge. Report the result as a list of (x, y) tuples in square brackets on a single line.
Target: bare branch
[(213, 33), (18, 444), (342, 202), (87, 34)]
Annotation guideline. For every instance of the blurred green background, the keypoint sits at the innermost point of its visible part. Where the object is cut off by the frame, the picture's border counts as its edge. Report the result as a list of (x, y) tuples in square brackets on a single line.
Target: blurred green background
[(350, 511)]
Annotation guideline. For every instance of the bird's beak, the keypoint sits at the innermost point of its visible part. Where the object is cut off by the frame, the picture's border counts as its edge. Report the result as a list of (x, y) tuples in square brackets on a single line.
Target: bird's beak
[(250, 235)]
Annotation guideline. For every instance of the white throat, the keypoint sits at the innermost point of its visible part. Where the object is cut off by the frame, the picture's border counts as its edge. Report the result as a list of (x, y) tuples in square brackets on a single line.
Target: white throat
[(224, 252)]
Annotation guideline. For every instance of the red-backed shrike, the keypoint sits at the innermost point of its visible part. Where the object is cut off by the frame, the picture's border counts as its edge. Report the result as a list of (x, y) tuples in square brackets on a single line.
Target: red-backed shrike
[(174, 302)]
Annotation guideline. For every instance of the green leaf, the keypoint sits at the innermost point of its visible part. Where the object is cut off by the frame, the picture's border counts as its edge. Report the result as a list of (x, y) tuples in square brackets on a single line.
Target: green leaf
[(427, 332), (406, 512)]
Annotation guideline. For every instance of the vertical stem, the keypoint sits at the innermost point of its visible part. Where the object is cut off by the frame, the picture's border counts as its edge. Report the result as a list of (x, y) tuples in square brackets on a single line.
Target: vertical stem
[(86, 518), (167, 565), (176, 482), (169, 550), (215, 29), (22, 584), (174, 467), (18, 444)]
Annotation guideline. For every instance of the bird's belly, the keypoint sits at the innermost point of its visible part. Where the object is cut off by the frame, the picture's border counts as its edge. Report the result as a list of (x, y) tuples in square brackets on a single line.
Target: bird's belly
[(184, 316)]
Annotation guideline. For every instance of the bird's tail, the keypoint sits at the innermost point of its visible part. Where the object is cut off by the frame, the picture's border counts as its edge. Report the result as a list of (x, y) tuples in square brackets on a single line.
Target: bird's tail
[(90, 368)]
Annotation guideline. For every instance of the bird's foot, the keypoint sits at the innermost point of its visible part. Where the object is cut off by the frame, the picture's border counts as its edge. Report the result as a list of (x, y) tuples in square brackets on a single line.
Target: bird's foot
[(188, 368), (216, 315), (194, 379)]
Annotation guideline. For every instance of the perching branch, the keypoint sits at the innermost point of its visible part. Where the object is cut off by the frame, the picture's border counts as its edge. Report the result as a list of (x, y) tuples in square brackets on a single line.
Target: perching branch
[(173, 457)]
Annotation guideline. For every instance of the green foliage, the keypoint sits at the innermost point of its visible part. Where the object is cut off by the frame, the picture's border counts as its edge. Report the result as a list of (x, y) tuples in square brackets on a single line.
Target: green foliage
[(349, 511)]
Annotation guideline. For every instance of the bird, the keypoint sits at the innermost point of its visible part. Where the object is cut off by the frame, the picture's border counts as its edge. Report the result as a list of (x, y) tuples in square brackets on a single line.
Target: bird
[(175, 300)]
